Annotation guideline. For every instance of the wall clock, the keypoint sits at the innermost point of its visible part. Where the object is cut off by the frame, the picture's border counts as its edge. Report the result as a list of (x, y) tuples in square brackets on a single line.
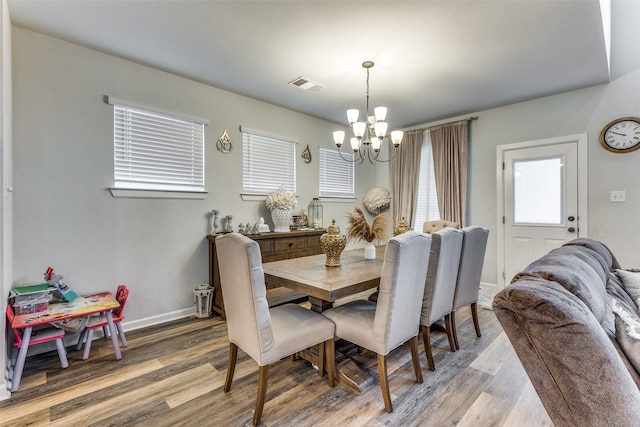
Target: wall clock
[(621, 135)]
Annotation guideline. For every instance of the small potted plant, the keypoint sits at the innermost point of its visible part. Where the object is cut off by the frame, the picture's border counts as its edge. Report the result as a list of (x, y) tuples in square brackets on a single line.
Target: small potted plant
[(281, 203), (359, 229)]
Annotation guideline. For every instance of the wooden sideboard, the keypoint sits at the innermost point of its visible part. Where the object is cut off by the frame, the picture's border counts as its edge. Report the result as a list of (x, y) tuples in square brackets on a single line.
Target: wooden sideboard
[(273, 247)]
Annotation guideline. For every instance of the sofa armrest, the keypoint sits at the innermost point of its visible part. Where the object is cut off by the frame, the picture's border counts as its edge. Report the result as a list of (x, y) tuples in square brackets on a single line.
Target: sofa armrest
[(572, 364)]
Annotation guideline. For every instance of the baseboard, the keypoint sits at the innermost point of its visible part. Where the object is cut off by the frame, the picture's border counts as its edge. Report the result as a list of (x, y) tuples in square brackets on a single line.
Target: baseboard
[(155, 320), (489, 286)]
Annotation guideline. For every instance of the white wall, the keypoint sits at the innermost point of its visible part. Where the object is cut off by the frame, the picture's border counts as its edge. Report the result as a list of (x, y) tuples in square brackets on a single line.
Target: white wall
[(63, 164), (6, 207)]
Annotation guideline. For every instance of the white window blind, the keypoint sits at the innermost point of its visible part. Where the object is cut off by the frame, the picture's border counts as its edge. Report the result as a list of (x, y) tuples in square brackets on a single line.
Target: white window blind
[(267, 163), (337, 177), (157, 151), (427, 204)]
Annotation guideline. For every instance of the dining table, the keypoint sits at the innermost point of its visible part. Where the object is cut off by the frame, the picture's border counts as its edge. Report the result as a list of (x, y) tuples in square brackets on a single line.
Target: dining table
[(326, 285), (103, 302)]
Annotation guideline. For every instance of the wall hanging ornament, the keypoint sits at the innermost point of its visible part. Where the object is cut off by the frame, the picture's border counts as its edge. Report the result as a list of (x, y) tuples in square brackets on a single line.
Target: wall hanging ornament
[(306, 155), (224, 142)]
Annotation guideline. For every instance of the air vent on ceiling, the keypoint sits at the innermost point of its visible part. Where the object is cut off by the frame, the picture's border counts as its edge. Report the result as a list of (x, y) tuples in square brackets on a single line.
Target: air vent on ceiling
[(306, 84)]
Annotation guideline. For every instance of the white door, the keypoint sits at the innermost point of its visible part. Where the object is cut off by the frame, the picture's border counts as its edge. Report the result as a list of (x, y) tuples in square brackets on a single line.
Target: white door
[(540, 194)]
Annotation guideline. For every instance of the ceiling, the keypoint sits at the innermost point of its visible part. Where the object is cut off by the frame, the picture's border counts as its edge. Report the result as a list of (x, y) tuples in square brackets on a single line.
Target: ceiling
[(433, 59)]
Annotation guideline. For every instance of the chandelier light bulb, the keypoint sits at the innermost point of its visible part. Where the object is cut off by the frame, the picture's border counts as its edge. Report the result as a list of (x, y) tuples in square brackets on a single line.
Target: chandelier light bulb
[(381, 113), (396, 137), (359, 129), (380, 129), (338, 137), (375, 144), (352, 116), (355, 144)]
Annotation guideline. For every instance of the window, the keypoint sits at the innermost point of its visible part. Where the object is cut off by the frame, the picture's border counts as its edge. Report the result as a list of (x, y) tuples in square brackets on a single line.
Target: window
[(156, 151), (336, 176), (267, 163), (427, 205), (538, 187)]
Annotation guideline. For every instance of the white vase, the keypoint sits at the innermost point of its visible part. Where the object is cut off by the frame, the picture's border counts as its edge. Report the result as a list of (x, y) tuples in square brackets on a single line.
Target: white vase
[(369, 251), (281, 219)]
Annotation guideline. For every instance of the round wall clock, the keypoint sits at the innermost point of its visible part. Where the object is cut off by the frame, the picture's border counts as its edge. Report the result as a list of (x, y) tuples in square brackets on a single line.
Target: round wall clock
[(621, 135)]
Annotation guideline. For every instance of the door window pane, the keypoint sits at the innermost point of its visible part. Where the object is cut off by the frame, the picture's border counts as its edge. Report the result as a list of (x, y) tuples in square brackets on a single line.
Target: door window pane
[(538, 191)]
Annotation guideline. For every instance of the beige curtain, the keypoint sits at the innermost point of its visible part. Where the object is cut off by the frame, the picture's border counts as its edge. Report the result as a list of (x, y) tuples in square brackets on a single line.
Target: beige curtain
[(450, 142), (404, 171)]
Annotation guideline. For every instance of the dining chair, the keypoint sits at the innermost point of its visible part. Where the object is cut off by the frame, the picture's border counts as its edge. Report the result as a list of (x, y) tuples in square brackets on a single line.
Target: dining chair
[(440, 286), (474, 245), (266, 335), (437, 225), (395, 319), (40, 334), (95, 322)]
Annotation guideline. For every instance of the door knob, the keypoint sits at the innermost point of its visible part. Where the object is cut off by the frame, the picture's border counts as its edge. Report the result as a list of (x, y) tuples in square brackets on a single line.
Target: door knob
[(571, 230), (571, 218)]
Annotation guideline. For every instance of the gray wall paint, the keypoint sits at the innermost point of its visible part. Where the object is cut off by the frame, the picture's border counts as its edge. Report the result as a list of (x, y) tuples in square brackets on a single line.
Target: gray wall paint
[(64, 217)]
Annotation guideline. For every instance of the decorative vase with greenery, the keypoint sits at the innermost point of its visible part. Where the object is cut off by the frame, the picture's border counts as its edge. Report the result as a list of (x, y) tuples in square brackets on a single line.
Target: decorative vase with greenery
[(359, 229), (281, 203)]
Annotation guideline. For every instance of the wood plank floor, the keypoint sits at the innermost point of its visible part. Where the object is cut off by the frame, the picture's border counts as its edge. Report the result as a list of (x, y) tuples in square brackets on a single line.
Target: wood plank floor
[(172, 375)]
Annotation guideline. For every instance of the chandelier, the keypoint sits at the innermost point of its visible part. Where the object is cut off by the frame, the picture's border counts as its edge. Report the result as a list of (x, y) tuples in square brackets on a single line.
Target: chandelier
[(369, 134)]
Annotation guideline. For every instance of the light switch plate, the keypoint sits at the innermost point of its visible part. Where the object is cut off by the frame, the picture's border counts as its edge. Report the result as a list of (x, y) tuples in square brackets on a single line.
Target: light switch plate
[(618, 196)]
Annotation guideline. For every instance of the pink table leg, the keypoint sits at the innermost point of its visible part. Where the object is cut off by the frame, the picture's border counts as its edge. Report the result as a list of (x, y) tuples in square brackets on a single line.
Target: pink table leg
[(22, 356), (114, 336)]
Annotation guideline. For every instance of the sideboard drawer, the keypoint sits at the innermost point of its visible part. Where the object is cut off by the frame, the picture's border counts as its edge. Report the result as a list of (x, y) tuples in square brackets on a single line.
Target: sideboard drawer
[(290, 244), (266, 246)]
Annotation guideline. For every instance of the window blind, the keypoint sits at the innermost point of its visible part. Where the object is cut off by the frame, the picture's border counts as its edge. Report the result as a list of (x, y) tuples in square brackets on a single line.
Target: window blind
[(337, 177), (156, 151), (427, 205), (267, 163)]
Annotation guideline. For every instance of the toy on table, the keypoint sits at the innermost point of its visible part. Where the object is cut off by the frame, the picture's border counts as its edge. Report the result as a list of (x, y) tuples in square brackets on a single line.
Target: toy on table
[(55, 280)]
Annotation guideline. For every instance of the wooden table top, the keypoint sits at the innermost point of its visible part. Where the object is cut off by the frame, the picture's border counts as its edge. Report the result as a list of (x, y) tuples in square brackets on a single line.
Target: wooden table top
[(311, 276)]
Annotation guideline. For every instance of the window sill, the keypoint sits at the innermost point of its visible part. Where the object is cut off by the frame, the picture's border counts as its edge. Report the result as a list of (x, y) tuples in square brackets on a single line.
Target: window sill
[(156, 194)]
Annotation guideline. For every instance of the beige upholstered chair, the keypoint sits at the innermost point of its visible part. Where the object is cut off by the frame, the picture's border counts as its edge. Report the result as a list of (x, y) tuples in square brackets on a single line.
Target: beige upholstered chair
[(394, 320), (440, 286), (265, 335), (474, 245), (433, 226)]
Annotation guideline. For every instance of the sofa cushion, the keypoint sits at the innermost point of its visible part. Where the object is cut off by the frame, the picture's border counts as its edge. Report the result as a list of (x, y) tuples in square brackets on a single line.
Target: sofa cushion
[(600, 248), (628, 333), (579, 271), (615, 289), (631, 282)]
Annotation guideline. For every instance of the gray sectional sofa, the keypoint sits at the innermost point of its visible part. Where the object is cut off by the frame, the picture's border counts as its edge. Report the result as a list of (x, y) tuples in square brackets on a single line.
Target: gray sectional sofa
[(557, 314)]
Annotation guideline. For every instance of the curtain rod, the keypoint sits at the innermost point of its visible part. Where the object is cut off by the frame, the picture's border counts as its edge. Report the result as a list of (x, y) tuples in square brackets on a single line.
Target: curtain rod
[(468, 119)]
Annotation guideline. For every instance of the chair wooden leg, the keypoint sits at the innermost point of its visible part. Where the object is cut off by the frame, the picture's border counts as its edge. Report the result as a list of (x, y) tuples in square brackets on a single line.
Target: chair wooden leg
[(454, 330), (384, 383), (426, 337), (321, 359), (330, 355), (262, 392), (231, 367), (449, 328), (413, 343), (474, 314)]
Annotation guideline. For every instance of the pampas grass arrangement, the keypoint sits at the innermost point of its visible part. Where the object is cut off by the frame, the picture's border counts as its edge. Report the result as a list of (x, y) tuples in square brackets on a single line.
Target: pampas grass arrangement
[(359, 228)]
